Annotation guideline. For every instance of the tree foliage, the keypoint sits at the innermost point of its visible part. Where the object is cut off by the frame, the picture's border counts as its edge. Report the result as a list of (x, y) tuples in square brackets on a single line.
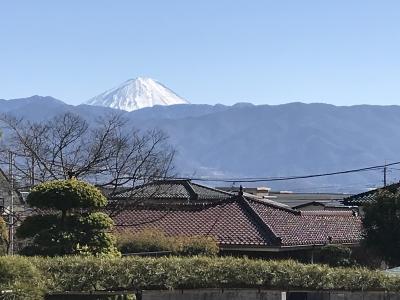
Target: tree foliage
[(335, 255), (66, 220), (75, 194), (382, 225), (108, 151)]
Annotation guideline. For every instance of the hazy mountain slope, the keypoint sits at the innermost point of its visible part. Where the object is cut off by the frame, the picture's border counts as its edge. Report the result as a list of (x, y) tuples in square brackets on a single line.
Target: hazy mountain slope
[(262, 141), (19, 105), (292, 139), (41, 108), (175, 111), (136, 94)]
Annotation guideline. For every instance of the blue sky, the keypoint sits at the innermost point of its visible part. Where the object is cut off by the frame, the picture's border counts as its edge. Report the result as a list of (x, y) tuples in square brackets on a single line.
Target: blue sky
[(265, 52)]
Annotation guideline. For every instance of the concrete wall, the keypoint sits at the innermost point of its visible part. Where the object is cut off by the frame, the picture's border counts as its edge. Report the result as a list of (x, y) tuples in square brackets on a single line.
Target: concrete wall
[(254, 294), (211, 294), (362, 296)]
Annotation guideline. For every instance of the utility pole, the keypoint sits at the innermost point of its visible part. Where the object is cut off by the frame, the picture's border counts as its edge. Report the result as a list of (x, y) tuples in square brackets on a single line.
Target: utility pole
[(11, 213), (384, 174)]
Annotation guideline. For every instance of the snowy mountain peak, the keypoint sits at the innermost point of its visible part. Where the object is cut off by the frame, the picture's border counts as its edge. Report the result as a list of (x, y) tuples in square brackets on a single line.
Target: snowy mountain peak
[(137, 93)]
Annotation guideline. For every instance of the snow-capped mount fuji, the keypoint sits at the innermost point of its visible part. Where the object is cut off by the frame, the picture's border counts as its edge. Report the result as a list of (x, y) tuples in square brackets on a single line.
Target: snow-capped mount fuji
[(137, 93)]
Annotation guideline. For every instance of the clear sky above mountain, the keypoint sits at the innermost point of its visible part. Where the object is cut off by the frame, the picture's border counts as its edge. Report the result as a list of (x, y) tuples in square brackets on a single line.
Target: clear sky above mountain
[(340, 52)]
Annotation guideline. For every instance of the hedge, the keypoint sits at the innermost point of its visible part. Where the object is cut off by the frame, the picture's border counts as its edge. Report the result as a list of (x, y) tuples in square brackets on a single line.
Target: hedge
[(151, 240), (131, 273), (20, 279)]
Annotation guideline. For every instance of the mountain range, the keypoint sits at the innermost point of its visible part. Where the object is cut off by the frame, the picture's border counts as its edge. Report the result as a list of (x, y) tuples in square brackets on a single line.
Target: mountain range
[(245, 140)]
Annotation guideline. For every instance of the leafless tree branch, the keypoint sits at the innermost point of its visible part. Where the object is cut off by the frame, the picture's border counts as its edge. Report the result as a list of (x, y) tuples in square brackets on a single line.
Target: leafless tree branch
[(109, 153)]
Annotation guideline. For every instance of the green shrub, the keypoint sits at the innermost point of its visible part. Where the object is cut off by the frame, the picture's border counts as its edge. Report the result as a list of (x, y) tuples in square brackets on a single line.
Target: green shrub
[(144, 241), (196, 245), (130, 273), (29, 279), (150, 240), (335, 255), (365, 256), (20, 279)]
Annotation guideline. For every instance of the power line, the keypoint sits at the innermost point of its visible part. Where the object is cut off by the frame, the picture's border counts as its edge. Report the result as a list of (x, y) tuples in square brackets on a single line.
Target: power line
[(271, 179)]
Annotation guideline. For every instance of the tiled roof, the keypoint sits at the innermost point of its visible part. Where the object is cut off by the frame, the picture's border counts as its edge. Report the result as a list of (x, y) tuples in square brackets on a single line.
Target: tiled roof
[(293, 199), (228, 223), (368, 197), (177, 190), (313, 227), (245, 221), (330, 204)]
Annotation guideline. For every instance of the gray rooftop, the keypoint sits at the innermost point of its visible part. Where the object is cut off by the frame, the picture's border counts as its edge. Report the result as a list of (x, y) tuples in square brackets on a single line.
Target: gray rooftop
[(295, 200), (177, 190), (368, 197)]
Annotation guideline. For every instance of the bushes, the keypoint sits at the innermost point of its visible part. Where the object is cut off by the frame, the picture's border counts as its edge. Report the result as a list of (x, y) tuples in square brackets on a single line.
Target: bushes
[(154, 240), (335, 255), (85, 274), (19, 279), (75, 273)]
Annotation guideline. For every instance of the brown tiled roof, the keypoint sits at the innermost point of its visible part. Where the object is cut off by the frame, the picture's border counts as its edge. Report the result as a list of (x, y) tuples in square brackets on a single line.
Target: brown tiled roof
[(245, 221), (316, 227), (227, 222)]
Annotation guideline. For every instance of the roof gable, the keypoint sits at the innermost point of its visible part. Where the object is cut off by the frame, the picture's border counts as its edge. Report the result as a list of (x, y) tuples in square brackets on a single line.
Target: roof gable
[(167, 191), (369, 196), (181, 207), (228, 222), (308, 228), (236, 219)]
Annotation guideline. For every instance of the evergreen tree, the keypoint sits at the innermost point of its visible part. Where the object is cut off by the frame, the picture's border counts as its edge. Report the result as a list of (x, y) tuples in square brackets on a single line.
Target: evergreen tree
[(382, 225), (68, 220)]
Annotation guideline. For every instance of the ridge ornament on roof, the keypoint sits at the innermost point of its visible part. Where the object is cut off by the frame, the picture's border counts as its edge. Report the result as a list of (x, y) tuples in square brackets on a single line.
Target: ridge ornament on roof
[(238, 221)]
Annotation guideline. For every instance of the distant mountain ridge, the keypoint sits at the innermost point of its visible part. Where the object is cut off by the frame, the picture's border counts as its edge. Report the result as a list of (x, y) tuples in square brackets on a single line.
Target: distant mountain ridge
[(261, 140), (136, 94)]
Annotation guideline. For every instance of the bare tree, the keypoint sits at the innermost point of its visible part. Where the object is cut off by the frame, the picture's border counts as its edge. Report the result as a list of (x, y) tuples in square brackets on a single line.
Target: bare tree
[(110, 154)]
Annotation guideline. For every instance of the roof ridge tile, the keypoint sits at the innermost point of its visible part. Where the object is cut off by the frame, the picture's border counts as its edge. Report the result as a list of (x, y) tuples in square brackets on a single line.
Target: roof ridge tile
[(259, 219)]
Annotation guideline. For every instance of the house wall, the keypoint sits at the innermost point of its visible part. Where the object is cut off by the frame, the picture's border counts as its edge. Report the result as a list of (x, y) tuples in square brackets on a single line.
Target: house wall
[(227, 294), (212, 294)]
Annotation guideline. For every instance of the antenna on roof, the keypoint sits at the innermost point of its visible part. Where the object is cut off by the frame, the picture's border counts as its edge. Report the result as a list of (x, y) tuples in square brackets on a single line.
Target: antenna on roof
[(240, 190)]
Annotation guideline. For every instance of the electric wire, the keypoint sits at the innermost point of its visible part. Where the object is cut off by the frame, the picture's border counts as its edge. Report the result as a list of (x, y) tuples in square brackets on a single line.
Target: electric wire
[(286, 178)]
